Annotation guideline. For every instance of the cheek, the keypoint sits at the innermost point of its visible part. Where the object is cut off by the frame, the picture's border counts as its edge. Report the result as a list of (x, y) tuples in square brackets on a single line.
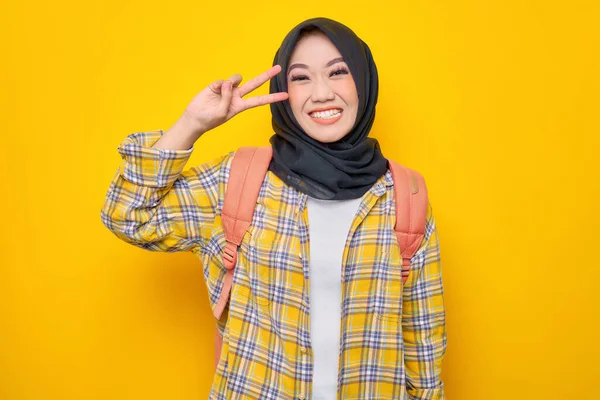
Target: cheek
[(296, 98), (347, 91)]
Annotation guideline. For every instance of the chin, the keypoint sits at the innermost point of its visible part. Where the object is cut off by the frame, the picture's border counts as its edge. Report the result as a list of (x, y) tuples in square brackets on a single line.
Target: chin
[(325, 137), (331, 135)]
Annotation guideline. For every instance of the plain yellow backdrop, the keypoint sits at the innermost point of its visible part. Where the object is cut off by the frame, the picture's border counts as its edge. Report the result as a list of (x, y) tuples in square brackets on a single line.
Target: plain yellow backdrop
[(494, 102)]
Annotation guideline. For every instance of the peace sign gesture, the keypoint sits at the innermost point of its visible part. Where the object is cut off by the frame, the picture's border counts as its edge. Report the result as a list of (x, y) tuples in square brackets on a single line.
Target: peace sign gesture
[(223, 99)]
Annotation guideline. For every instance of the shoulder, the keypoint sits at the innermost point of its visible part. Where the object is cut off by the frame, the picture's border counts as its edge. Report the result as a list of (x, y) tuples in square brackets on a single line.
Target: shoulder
[(394, 166), (211, 176), (407, 181)]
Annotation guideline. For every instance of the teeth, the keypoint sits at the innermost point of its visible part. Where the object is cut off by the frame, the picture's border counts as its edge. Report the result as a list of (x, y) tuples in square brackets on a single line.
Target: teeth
[(326, 114)]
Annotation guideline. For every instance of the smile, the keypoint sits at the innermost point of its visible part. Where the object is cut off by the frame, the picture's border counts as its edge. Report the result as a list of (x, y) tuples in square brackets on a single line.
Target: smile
[(326, 117)]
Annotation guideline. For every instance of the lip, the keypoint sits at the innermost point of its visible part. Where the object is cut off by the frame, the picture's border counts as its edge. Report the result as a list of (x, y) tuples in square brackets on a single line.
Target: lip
[(327, 121), (325, 109)]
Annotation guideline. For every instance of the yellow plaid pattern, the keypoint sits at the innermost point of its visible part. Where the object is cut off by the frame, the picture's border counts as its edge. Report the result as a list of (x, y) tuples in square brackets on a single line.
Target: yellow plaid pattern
[(393, 336)]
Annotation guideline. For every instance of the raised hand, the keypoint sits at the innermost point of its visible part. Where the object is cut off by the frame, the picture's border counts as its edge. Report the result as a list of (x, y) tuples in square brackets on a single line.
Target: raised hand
[(223, 99)]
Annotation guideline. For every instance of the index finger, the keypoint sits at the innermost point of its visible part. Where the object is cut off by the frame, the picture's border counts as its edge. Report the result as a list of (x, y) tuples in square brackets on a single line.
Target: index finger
[(259, 80)]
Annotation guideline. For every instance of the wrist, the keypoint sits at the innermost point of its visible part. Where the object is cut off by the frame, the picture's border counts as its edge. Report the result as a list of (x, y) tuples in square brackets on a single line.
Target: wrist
[(189, 124), (181, 136)]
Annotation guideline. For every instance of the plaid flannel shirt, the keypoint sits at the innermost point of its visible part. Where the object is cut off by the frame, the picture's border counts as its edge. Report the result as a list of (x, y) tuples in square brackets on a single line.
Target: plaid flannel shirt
[(392, 335)]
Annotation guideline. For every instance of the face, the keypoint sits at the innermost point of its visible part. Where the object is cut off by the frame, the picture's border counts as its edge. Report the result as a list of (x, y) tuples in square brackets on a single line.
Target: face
[(322, 93)]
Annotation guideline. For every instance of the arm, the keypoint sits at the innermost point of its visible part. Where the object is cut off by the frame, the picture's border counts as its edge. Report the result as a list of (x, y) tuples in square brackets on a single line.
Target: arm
[(423, 319), (151, 203), (155, 205)]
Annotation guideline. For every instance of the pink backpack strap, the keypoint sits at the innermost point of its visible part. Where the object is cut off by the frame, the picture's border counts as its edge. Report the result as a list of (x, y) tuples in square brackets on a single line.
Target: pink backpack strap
[(246, 175), (410, 194)]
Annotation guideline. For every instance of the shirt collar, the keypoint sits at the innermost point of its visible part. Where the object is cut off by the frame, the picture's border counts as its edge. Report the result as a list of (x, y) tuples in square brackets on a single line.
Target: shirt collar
[(378, 189)]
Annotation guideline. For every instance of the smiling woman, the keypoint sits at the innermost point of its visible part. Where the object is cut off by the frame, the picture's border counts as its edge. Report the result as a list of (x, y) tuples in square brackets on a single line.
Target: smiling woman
[(322, 92), (337, 292), (328, 68)]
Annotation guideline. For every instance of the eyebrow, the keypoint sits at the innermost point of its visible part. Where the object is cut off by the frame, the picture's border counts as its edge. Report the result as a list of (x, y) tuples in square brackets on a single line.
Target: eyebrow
[(329, 64)]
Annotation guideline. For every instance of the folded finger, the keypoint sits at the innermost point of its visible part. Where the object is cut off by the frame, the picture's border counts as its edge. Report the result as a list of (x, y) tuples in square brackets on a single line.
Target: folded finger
[(235, 80), (226, 95), (215, 87)]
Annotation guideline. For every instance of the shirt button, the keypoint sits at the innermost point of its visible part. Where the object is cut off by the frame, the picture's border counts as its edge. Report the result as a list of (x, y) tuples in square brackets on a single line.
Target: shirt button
[(300, 255), (303, 350), (301, 397)]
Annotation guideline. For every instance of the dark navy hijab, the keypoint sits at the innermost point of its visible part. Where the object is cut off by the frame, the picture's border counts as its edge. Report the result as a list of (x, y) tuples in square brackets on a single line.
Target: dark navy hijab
[(342, 170)]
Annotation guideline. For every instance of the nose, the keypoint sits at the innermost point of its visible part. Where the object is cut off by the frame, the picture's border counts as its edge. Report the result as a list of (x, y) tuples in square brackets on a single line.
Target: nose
[(321, 91)]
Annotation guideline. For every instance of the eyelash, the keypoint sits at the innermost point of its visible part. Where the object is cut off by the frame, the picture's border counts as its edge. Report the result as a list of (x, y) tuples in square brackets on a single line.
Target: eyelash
[(337, 71), (343, 70)]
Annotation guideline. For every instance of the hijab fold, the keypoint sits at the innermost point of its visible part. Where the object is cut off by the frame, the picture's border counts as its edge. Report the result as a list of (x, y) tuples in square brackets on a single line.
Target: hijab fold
[(342, 170)]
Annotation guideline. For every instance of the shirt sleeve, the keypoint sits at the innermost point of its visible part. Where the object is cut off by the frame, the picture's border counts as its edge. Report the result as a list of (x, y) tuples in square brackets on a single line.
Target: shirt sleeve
[(423, 319), (154, 204)]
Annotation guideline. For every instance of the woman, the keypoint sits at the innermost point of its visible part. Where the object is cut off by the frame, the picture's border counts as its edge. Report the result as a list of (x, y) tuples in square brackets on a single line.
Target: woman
[(323, 318)]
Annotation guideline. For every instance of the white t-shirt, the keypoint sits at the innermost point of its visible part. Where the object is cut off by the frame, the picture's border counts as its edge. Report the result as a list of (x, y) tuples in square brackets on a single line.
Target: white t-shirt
[(329, 223)]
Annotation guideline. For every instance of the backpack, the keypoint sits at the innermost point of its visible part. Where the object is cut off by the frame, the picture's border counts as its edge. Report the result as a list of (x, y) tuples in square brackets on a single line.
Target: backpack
[(248, 170)]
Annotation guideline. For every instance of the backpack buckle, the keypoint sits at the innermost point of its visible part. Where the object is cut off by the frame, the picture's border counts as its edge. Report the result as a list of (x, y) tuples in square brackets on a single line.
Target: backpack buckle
[(230, 255)]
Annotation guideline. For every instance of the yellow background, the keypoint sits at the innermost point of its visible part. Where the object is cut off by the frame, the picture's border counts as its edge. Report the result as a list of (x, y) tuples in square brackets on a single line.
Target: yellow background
[(495, 102)]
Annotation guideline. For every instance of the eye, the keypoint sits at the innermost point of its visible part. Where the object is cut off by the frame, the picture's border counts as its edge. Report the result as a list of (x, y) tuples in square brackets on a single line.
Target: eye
[(340, 71), (298, 78)]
